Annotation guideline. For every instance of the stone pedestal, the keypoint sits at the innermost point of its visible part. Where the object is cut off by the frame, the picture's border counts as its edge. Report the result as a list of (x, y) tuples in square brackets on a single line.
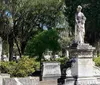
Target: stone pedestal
[(82, 69), (51, 71), (83, 65)]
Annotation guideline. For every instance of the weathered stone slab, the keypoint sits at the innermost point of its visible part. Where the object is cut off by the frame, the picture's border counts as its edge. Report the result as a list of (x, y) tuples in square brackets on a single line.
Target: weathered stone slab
[(0, 80), (51, 70), (21, 81), (87, 81), (3, 76), (9, 81)]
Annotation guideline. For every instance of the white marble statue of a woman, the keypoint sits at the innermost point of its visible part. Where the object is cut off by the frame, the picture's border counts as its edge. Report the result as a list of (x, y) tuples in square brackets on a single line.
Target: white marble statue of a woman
[(79, 26)]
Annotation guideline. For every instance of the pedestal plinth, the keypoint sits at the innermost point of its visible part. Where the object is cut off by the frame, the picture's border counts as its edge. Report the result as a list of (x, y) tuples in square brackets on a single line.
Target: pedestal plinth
[(82, 67)]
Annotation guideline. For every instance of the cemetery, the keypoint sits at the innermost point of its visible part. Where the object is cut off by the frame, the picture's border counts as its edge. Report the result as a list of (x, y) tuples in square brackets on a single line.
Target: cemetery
[(49, 42)]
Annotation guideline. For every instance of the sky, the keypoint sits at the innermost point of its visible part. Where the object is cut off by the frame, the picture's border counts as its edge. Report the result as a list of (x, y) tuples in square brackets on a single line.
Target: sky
[(8, 13)]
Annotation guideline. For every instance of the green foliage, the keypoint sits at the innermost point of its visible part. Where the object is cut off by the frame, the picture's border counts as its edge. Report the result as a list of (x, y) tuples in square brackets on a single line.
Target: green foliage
[(4, 67), (30, 14), (26, 16), (97, 61), (43, 41), (24, 67), (62, 60)]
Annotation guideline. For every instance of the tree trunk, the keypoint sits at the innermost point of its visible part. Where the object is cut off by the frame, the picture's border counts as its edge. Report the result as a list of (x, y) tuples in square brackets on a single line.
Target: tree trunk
[(40, 58), (23, 45), (18, 47), (10, 41)]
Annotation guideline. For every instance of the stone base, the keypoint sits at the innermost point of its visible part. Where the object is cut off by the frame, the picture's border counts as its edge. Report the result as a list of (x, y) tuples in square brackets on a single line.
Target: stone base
[(52, 82), (87, 81), (83, 66), (50, 78), (69, 81), (95, 80), (81, 81), (97, 73)]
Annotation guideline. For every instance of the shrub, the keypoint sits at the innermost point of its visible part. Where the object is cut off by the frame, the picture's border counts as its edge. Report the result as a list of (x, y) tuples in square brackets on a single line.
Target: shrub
[(24, 67), (62, 60), (4, 67), (97, 61)]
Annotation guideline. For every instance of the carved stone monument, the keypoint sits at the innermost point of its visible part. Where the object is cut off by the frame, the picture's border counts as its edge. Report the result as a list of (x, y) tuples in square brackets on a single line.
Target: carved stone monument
[(82, 71), (51, 71), (21, 81)]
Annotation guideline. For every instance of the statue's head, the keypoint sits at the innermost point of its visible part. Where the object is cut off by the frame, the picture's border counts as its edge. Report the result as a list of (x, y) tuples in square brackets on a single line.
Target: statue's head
[(79, 8)]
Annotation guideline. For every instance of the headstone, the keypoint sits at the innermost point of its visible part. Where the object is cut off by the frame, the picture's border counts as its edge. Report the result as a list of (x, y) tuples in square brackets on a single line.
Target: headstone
[(47, 57), (5, 58), (67, 53), (56, 56), (51, 71), (17, 57)]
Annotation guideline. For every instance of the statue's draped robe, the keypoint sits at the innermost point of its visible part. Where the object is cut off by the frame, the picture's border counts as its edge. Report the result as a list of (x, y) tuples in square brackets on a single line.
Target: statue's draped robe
[(79, 27)]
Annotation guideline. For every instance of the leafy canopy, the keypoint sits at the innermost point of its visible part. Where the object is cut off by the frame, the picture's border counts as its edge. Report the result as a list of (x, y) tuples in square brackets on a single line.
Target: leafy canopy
[(43, 41)]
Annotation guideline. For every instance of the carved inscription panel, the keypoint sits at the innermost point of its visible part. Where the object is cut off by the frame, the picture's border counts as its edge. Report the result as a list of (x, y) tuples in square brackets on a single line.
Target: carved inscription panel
[(51, 69)]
